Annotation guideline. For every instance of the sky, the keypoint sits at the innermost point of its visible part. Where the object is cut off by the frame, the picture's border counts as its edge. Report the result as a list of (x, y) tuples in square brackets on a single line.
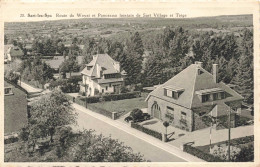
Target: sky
[(38, 11)]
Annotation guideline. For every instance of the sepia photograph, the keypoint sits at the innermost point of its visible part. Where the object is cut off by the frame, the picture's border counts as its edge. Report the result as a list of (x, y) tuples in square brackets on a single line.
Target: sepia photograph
[(129, 87)]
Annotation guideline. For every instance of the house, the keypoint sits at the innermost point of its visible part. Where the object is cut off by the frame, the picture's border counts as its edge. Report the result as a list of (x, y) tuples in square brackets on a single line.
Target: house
[(193, 93), (15, 107), (12, 52), (102, 75), (7, 56)]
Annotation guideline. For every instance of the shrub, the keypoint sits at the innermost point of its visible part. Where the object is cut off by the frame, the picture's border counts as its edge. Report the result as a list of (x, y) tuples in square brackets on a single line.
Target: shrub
[(123, 89), (200, 154), (246, 154), (241, 121), (112, 97), (147, 131), (24, 134), (11, 139), (222, 152)]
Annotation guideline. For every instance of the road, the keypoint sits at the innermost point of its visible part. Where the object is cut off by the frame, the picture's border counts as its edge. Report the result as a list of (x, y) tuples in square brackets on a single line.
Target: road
[(152, 149), (29, 88)]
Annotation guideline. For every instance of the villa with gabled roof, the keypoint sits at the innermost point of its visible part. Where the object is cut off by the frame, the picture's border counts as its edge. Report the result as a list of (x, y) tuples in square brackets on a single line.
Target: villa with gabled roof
[(193, 93), (102, 75)]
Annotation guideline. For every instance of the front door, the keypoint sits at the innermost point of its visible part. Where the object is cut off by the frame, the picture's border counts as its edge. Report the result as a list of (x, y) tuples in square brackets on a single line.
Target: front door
[(156, 111)]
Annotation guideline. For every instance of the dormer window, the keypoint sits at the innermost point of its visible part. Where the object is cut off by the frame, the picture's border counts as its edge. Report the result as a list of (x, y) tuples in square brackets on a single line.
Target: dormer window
[(205, 98), (213, 94), (89, 67), (173, 92)]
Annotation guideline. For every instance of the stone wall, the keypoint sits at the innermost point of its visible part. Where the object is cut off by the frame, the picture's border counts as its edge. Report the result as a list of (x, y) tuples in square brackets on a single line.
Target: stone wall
[(177, 122)]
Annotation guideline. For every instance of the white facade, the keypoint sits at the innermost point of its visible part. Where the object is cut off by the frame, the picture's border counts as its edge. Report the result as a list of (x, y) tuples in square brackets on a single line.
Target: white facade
[(102, 75)]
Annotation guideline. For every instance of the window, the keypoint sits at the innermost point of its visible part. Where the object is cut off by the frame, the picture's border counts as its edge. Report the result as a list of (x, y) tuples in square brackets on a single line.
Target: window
[(169, 93), (102, 90), (202, 113), (215, 96), (110, 85), (106, 87), (170, 109), (222, 95), (8, 91), (205, 98), (169, 113), (175, 95), (183, 115)]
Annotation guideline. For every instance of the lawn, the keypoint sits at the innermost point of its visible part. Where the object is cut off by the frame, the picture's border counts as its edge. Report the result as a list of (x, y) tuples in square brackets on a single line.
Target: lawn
[(122, 106)]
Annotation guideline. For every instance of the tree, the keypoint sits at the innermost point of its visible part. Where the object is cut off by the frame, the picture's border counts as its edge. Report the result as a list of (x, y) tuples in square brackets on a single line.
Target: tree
[(90, 148), (134, 57), (244, 79), (166, 124), (15, 42), (50, 112), (70, 64)]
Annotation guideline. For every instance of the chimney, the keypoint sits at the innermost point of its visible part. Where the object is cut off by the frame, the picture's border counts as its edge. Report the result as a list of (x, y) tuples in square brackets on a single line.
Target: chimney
[(215, 73), (117, 66), (198, 63)]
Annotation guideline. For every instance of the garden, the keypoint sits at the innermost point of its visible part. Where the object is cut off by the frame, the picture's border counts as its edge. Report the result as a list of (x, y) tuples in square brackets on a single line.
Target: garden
[(242, 150), (122, 106)]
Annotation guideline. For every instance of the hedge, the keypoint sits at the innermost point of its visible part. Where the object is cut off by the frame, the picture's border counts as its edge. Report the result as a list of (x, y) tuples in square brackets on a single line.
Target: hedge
[(147, 131), (100, 111), (121, 96), (200, 154), (82, 102), (111, 97), (241, 120), (242, 140), (11, 140)]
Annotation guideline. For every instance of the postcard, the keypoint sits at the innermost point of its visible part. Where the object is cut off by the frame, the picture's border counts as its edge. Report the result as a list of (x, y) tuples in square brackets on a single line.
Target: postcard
[(129, 83)]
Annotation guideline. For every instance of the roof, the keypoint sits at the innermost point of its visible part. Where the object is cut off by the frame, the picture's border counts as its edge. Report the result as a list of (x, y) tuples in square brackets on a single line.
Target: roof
[(101, 60), (174, 88), (6, 48), (14, 51), (55, 62), (191, 81), (212, 90), (110, 80), (58, 60)]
